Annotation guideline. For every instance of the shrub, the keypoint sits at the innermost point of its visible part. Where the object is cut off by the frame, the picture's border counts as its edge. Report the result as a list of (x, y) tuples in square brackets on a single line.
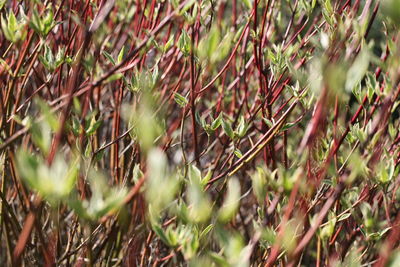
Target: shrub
[(217, 133)]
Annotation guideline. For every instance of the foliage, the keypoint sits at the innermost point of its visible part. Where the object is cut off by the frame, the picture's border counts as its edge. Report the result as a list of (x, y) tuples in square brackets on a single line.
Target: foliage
[(199, 133)]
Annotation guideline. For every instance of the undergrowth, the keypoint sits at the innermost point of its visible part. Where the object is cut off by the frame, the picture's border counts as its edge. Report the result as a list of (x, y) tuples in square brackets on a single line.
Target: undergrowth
[(200, 133)]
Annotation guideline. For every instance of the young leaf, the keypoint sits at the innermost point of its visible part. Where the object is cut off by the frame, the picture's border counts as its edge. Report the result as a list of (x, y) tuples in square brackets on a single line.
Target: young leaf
[(358, 69), (92, 126), (184, 43), (242, 127), (231, 202), (238, 153), (109, 57), (180, 100), (121, 54), (228, 129), (168, 44), (216, 123)]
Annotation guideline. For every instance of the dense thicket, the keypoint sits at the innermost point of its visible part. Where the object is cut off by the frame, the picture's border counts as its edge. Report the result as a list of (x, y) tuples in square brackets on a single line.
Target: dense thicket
[(201, 133)]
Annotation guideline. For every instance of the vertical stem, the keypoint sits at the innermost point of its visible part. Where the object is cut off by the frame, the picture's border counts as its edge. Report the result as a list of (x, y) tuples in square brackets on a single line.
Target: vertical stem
[(193, 98)]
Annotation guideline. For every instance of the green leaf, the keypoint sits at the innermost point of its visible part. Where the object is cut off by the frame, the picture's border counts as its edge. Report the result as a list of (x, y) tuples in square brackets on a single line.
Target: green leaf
[(4, 26), (391, 9), (238, 153), (161, 185), (12, 22), (218, 259), (194, 174), (392, 131), (223, 49), (55, 182), (247, 3), (385, 172), (109, 203), (175, 3), (42, 25), (344, 217), (160, 233), (76, 126), (109, 57), (259, 184), (228, 129), (35, 22), (371, 93), (200, 206), (208, 46), (329, 228), (201, 120), (313, 3), (238, 34), (216, 123), (188, 5), (172, 236), (121, 54), (59, 57), (268, 122), (206, 231), (71, 177), (180, 100), (48, 22), (206, 178), (231, 202), (13, 30), (184, 43), (154, 76), (29, 166), (328, 6), (168, 44), (48, 55), (2, 3), (242, 127), (114, 77), (41, 136), (287, 126), (213, 40), (49, 117), (93, 126), (104, 199), (358, 69)]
